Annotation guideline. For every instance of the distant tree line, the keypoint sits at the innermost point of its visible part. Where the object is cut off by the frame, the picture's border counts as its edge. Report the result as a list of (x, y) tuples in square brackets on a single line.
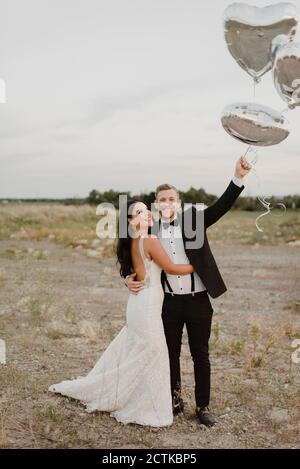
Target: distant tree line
[(192, 195)]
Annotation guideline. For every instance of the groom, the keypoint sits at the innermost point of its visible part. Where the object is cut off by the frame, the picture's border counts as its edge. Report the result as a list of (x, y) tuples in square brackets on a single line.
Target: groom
[(186, 300)]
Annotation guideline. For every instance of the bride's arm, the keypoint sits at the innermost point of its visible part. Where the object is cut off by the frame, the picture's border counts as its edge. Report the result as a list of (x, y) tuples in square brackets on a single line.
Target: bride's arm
[(159, 255)]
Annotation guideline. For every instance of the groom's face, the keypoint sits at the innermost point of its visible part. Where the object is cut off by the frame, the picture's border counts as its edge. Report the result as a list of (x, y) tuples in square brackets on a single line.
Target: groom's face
[(168, 202)]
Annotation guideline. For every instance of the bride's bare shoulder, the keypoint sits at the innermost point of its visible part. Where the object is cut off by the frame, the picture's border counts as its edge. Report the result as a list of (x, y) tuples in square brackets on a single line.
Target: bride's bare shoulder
[(151, 241), (150, 245)]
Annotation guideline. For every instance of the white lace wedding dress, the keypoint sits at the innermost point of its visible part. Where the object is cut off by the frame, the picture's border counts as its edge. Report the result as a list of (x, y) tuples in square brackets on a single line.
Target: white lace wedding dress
[(131, 379)]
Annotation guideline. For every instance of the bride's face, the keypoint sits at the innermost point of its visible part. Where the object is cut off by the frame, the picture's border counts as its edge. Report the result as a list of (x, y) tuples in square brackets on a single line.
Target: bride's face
[(141, 217)]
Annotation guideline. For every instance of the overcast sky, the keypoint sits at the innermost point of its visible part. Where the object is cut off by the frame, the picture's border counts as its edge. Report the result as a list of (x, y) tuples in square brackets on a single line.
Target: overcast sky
[(127, 94)]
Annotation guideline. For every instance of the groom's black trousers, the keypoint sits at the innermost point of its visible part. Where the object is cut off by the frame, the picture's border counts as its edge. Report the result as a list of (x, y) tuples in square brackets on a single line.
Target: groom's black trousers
[(196, 313)]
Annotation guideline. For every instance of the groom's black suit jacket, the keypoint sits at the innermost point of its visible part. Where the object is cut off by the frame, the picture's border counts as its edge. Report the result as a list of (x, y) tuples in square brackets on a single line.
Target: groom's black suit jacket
[(202, 258)]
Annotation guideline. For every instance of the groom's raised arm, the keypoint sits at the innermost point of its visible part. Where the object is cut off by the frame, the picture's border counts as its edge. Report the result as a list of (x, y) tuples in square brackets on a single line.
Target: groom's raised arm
[(224, 203)]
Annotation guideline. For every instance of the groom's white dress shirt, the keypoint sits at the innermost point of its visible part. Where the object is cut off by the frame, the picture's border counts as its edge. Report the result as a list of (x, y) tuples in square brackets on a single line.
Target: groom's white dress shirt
[(170, 237)]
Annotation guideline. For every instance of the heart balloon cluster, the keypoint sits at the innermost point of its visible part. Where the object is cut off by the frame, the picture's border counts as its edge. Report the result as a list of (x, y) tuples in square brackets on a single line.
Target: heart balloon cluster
[(260, 40)]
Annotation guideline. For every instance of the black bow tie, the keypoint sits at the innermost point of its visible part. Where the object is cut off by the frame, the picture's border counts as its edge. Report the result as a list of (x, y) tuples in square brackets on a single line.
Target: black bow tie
[(171, 223)]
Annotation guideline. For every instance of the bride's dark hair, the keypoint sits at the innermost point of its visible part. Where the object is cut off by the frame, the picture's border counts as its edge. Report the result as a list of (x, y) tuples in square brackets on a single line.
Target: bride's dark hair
[(124, 243)]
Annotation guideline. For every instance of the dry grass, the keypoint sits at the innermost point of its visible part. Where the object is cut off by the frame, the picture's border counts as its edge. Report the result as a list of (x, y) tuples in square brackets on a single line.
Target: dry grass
[(278, 227), (73, 226)]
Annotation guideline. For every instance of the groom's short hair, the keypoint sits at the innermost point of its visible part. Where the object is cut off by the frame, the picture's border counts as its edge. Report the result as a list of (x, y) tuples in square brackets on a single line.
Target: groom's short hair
[(165, 187)]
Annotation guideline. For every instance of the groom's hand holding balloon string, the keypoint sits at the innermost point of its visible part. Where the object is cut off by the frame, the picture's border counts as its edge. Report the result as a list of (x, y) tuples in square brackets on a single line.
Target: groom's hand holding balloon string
[(242, 167)]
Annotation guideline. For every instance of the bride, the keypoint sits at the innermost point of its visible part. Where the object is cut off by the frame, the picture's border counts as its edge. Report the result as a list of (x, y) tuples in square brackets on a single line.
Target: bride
[(131, 379)]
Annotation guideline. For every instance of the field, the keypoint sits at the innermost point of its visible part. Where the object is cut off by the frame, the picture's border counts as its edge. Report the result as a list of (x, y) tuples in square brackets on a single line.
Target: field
[(62, 302)]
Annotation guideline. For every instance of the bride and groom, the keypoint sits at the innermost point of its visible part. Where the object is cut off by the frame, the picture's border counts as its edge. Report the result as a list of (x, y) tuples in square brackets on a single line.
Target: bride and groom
[(137, 378)]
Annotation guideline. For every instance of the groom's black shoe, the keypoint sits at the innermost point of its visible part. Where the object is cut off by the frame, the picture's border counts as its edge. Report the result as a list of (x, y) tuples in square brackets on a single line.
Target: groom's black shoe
[(204, 416), (178, 406)]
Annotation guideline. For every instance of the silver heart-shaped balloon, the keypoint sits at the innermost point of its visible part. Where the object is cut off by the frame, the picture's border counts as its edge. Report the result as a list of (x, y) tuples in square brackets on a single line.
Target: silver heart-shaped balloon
[(249, 32), (286, 71), (254, 124)]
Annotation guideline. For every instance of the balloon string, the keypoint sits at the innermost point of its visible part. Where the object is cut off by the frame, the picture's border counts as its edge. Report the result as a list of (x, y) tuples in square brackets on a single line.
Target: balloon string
[(256, 80), (262, 200), (248, 148), (266, 205)]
